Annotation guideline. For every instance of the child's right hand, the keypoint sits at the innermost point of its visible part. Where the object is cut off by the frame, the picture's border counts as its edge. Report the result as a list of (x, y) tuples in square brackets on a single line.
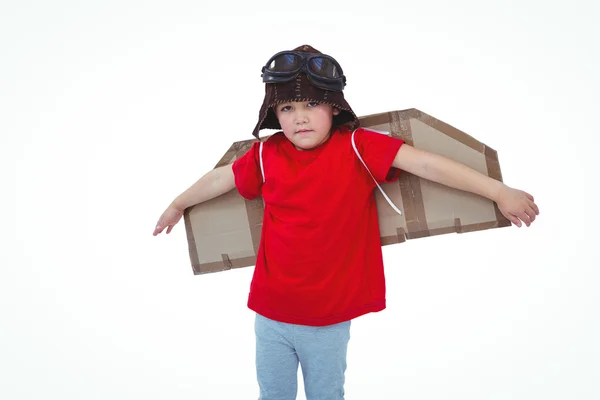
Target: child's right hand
[(169, 219)]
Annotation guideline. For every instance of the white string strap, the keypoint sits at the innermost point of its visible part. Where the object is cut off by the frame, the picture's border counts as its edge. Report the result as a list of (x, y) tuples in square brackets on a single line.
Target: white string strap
[(380, 189), (262, 169)]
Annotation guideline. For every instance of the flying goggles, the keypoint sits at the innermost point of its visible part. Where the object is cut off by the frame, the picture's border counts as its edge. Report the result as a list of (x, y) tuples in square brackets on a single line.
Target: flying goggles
[(321, 70)]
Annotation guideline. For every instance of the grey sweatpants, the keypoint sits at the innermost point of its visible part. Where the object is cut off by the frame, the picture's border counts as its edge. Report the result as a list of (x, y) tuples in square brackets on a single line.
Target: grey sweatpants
[(320, 350)]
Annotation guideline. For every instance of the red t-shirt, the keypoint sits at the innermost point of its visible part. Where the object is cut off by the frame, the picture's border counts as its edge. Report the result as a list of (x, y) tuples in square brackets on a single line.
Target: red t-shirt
[(319, 261)]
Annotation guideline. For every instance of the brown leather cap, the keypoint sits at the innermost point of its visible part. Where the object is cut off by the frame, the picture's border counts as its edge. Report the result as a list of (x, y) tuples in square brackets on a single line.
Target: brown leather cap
[(301, 89)]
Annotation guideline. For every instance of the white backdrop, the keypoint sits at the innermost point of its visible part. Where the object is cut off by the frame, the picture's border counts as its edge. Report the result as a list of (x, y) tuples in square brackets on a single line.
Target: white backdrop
[(108, 110)]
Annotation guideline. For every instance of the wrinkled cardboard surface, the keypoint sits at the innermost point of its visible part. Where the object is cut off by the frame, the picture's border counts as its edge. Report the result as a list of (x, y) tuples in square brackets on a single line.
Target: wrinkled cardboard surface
[(224, 233)]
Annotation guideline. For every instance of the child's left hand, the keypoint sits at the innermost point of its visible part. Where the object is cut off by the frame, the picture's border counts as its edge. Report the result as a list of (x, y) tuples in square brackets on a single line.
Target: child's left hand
[(517, 206)]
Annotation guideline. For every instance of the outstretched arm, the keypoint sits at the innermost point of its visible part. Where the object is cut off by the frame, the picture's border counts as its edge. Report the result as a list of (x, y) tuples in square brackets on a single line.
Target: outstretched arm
[(213, 184), (516, 205)]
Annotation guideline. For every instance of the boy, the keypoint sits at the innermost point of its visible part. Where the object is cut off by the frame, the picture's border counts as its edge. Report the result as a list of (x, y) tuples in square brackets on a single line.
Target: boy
[(319, 263)]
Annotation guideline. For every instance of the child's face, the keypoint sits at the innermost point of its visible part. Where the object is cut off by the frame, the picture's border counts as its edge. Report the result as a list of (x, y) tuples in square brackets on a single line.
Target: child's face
[(306, 124)]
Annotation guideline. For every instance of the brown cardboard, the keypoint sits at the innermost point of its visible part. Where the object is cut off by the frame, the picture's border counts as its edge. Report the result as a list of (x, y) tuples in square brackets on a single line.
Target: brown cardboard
[(223, 233)]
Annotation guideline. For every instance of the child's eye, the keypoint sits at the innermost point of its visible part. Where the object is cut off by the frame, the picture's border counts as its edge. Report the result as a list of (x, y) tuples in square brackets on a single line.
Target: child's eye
[(284, 108), (312, 104)]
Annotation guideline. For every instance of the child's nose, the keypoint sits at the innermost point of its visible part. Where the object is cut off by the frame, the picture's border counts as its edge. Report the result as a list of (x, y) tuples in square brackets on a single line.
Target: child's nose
[(301, 117)]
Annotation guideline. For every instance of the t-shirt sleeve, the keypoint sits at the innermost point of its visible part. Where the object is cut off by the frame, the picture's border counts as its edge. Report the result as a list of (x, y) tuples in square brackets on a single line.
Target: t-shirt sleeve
[(247, 173), (378, 151)]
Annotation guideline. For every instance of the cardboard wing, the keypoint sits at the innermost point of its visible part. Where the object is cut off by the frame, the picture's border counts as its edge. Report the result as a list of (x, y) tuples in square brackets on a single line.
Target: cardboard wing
[(224, 233)]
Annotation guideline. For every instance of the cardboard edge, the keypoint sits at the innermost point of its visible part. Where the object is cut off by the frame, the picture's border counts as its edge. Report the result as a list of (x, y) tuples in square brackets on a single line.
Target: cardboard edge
[(383, 117), (457, 228), (192, 248), (400, 237), (240, 146), (218, 266), (452, 132)]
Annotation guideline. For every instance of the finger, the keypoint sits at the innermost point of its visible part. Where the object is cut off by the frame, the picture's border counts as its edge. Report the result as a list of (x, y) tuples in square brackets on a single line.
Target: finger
[(158, 230), (169, 229), (525, 218), (530, 197), (512, 218), (531, 214), (535, 207)]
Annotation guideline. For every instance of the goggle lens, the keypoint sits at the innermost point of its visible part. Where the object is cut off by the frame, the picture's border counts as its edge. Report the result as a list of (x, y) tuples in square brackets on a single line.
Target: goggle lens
[(323, 67), (285, 63)]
